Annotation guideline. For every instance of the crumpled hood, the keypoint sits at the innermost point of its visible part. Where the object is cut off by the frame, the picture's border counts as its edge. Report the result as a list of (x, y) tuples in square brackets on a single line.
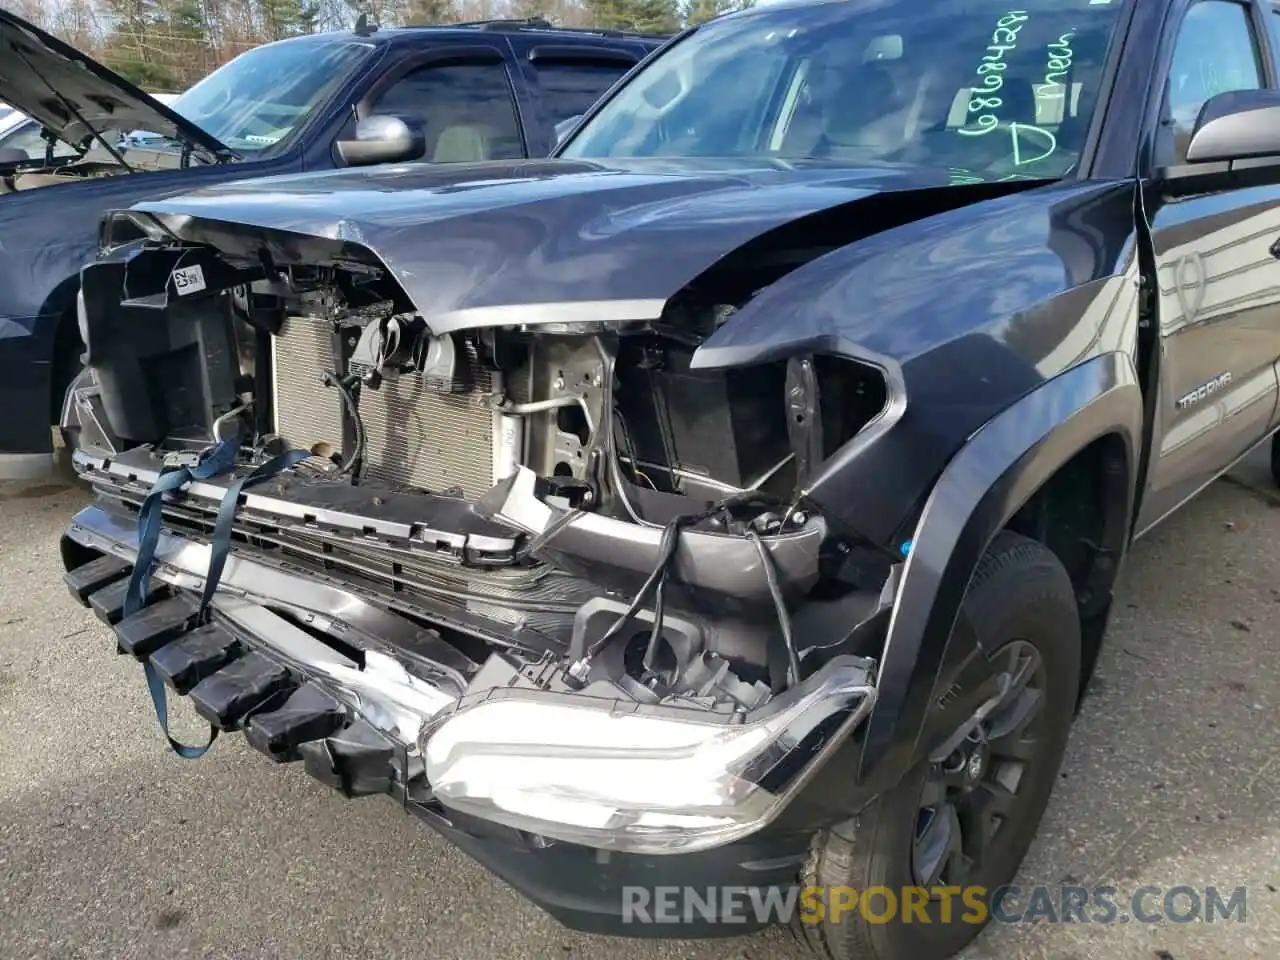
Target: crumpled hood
[(527, 241), (39, 72)]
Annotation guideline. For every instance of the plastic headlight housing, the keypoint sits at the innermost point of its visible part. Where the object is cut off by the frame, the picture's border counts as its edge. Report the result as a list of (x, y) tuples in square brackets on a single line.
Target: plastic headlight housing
[(619, 776)]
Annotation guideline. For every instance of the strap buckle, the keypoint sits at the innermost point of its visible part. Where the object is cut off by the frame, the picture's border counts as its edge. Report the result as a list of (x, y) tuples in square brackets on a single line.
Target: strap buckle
[(176, 459)]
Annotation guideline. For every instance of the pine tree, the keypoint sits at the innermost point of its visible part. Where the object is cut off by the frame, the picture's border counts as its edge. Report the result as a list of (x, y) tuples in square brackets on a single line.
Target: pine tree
[(287, 18), (700, 11), (135, 26), (431, 11), (646, 16), (531, 9), (181, 47)]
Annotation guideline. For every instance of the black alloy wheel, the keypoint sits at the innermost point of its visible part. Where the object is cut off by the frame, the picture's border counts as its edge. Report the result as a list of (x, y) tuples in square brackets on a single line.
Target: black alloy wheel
[(970, 795), (966, 813)]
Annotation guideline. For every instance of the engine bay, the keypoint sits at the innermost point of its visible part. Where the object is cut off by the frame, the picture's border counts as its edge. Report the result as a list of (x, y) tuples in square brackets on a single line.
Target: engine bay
[(580, 499), (32, 176), (17, 175)]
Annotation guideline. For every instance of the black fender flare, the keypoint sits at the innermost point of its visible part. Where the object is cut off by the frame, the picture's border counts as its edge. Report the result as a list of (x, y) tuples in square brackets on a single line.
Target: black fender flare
[(983, 486)]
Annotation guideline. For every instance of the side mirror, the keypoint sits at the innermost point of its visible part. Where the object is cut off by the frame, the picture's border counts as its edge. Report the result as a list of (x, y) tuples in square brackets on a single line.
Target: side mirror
[(382, 139), (1239, 125), (563, 128)]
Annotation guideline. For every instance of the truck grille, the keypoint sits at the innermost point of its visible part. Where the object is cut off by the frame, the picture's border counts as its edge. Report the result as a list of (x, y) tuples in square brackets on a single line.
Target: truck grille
[(492, 603), (413, 436)]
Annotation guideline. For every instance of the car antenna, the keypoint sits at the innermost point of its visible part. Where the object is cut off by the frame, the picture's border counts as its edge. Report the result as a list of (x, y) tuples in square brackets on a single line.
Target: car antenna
[(362, 27)]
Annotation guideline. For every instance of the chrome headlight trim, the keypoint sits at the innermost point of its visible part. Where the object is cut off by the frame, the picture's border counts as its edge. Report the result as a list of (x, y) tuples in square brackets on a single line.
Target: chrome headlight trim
[(618, 776)]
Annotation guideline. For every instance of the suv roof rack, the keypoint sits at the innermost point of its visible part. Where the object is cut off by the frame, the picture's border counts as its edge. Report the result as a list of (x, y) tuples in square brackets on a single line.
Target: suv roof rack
[(541, 23)]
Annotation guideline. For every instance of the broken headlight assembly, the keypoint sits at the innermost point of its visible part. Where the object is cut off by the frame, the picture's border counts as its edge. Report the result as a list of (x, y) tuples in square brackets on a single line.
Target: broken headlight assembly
[(619, 776)]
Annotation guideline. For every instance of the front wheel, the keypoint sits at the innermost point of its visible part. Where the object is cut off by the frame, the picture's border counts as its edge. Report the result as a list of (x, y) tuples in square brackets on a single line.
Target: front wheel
[(964, 817)]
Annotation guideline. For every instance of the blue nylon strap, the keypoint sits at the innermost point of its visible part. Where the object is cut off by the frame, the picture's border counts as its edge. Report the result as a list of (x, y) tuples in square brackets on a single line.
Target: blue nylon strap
[(220, 546), (148, 535), (221, 459), (159, 699)]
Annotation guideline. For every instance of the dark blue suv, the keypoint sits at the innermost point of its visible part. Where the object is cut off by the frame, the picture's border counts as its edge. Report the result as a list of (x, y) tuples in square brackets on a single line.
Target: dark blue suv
[(493, 90)]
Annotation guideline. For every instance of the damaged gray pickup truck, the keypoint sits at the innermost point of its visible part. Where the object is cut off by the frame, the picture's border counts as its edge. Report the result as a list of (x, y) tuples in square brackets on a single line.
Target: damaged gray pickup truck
[(732, 501)]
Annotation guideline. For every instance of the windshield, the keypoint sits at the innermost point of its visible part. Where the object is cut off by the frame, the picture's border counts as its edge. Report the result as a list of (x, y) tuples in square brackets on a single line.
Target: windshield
[(987, 89), (259, 98)]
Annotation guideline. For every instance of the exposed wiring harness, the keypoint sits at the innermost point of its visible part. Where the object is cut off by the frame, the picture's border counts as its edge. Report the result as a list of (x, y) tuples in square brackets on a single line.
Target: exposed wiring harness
[(537, 543), (615, 471), (779, 606), (656, 583), (331, 379)]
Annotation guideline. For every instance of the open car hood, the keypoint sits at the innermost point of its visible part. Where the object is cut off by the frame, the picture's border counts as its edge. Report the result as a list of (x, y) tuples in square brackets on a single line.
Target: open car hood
[(74, 96)]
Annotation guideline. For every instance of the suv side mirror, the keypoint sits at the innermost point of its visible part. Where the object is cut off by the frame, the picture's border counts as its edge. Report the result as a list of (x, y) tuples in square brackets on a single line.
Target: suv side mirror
[(1239, 125), (382, 138)]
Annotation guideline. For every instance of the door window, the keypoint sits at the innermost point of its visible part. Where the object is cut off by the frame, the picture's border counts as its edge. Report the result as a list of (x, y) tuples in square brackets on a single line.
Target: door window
[(1215, 53), (467, 111), (568, 89)]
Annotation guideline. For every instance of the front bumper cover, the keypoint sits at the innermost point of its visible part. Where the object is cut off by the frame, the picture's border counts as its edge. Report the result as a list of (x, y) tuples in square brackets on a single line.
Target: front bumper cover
[(265, 670)]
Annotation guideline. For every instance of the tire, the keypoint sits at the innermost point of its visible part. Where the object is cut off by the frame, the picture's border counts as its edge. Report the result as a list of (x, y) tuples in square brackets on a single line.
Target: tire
[(1275, 459), (1020, 600)]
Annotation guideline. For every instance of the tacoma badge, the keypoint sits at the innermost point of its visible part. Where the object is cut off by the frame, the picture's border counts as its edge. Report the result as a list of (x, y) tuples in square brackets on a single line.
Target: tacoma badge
[(1187, 401)]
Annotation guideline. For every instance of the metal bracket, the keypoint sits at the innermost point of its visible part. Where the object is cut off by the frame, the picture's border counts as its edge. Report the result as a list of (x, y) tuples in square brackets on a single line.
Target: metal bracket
[(804, 423), (181, 458)]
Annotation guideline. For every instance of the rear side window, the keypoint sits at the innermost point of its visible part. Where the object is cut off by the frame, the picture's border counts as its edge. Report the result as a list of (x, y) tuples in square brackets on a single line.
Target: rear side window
[(467, 111), (568, 88), (1273, 25)]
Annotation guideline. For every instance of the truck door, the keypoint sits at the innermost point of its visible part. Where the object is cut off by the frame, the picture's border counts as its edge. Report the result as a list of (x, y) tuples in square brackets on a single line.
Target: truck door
[(461, 96), (1218, 283)]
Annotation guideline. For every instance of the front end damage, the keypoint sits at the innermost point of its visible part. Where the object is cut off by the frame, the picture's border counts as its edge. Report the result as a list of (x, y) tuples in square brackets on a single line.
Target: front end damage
[(551, 586)]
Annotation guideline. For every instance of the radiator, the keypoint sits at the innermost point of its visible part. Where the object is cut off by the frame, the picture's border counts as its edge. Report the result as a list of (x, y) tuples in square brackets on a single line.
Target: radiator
[(413, 436)]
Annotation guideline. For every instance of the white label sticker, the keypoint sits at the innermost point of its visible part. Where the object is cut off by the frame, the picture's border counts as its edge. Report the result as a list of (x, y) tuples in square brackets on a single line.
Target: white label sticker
[(188, 280)]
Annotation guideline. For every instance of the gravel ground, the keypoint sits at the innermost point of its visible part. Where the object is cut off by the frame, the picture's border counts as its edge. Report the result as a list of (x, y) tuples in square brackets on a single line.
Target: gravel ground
[(111, 847)]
